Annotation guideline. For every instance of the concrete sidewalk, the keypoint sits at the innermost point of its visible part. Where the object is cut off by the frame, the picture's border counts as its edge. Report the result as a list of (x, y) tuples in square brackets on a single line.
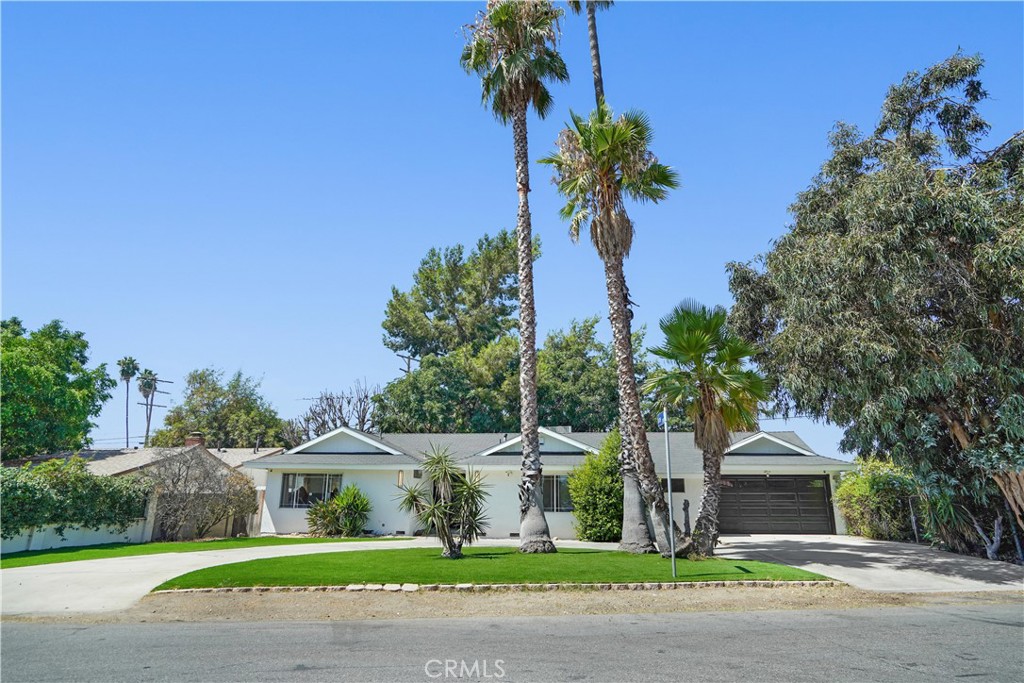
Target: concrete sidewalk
[(119, 582), (877, 565)]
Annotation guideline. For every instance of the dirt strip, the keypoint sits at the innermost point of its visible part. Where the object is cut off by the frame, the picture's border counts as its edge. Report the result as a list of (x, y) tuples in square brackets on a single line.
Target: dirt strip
[(344, 605)]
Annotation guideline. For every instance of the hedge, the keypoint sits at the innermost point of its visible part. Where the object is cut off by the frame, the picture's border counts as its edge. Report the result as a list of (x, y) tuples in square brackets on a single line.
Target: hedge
[(63, 493), (875, 501)]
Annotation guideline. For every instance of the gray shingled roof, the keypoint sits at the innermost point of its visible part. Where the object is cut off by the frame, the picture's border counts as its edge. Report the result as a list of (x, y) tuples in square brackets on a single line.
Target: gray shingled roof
[(112, 462), (234, 457), (466, 448)]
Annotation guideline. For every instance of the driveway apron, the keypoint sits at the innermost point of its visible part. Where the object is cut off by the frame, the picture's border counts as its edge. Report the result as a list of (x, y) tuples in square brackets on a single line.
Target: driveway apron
[(884, 566)]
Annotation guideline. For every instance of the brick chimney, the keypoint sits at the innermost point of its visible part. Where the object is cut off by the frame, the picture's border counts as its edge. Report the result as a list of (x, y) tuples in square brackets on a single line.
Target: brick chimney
[(195, 439)]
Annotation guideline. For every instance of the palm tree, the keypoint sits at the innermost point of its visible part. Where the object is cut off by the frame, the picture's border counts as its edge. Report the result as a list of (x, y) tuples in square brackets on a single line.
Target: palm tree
[(636, 537), (511, 47), (600, 161), (450, 503), (708, 379), (129, 368), (595, 50), (147, 387)]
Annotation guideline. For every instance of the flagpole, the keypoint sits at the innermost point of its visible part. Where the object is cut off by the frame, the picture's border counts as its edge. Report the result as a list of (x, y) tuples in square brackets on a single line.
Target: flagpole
[(671, 514)]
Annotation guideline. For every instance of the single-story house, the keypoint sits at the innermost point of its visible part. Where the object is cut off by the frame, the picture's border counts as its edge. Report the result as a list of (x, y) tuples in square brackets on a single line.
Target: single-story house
[(772, 481), (114, 462)]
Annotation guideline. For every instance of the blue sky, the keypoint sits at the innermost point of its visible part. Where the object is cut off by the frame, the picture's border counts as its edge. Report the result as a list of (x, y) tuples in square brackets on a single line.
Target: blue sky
[(239, 185)]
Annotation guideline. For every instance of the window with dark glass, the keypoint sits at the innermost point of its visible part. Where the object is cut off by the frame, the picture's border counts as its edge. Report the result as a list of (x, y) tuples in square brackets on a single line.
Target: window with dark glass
[(302, 490), (678, 485), (555, 490)]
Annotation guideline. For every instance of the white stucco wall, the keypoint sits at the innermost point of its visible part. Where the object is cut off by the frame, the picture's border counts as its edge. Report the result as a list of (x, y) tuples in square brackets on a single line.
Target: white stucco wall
[(502, 503), (46, 538), (380, 486)]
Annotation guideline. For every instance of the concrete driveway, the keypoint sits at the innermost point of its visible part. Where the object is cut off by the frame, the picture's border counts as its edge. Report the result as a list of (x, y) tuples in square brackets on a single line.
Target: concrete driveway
[(118, 583), (877, 565)]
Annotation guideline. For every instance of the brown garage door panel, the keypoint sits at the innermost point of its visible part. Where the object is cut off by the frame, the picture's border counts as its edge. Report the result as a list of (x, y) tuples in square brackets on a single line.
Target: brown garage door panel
[(775, 505)]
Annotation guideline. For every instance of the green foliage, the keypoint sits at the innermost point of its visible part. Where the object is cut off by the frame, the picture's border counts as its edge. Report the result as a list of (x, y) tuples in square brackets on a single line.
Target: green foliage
[(47, 394), (26, 502), (488, 565), (460, 392), (875, 500), (230, 415), (128, 367), (511, 47), (894, 306), (62, 492), (467, 391), (344, 515), (596, 490), (706, 376), (31, 558), (456, 300), (600, 160), (449, 503)]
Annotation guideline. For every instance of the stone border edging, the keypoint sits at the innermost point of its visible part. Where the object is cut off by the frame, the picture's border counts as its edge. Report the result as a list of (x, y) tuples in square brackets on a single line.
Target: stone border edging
[(508, 587)]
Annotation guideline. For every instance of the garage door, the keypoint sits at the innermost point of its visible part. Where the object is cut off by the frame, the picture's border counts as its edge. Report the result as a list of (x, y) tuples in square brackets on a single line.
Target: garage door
[(775, 505)]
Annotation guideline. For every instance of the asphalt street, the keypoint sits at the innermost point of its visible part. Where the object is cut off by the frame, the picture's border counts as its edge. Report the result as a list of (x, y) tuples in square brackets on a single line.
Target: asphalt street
[(980, 642)]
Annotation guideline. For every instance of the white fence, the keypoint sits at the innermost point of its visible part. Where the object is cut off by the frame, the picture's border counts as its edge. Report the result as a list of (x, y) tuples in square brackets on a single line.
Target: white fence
[(46, 537)]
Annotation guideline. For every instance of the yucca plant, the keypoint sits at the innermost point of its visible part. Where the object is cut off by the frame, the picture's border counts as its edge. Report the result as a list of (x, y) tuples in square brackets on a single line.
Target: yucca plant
[(449, 503)]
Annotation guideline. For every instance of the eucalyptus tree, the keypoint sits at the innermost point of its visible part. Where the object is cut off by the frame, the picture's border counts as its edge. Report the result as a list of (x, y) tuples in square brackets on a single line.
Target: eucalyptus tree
[(129, 368), (894, 304), (512, 48), (707, 378), (636, 536), (601, 160), (147, 385)]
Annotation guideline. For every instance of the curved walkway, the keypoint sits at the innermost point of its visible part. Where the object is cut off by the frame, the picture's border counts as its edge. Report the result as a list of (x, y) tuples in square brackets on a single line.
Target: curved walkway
[(117, 583)]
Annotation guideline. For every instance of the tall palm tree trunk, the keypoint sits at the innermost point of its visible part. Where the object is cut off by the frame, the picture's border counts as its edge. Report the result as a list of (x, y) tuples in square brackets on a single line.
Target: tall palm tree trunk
[(595, 52), (127, 385), (705, 531), (629, 404), (149, 418), (534, 536), (636, 534)]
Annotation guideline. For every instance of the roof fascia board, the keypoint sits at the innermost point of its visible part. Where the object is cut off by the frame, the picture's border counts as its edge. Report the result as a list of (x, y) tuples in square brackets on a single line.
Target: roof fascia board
[(502, 445), (765, 435), (350, 432)]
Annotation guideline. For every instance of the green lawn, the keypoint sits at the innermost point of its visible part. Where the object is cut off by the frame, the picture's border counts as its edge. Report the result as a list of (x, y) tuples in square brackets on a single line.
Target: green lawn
[(99, 552), (480, 565)]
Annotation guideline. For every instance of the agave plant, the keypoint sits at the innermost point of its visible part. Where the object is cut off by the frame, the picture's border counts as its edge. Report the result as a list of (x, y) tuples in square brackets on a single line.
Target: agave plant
[(344, 515), (449, 503)]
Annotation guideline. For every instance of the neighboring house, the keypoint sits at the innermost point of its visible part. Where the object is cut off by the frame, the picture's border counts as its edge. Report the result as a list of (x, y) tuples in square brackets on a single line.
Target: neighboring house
[(236, 457), (128, 461), (772, 481), (113, 462)]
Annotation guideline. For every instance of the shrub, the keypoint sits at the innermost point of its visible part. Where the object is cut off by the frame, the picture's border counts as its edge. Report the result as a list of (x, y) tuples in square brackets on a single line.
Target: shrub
[(197, 492), (344, 515), (596, 490), (25, 501), (63, 492), (875, 501)]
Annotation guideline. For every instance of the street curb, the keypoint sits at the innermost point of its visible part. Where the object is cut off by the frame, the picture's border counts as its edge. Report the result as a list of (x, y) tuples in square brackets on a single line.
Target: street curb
[(506, 587)]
